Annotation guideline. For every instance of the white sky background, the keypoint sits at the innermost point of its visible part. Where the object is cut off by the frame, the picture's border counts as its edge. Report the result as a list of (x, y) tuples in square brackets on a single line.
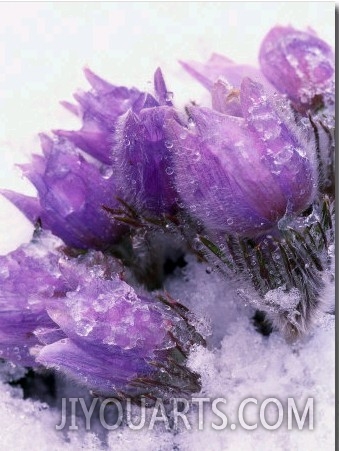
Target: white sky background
[(43, 47)]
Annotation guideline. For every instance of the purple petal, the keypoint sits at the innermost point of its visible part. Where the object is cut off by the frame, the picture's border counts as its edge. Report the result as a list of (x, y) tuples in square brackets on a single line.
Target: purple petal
[(209, 72), (226, 99), (220, 67), (99, 110), (99, 84), (287, 153), (297, 63), (143, 160), (29, 206), (104, 372), (16, 334), (163, 95), (215, 180), (46, 143), (28, 276), (226, 177), (74, 109), (71, 206), (92, 139)]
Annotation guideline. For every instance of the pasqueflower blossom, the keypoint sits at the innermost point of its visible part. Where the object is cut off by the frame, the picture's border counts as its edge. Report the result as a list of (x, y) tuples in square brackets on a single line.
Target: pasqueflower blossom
[(77, 316), (28, 276), (71, 196), (292, 62), (246, 167), (144, 154), (298, 64), (133, 164), (243, 174), (99, 109), (124, 129)]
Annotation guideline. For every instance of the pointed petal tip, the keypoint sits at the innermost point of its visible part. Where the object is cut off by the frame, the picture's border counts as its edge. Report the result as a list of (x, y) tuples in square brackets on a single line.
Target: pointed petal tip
[(70, 107), (24, 167), (163, 95), (46, 143), (189, 67), (98, 83), (28, 205), (59, 132), (158, 72)]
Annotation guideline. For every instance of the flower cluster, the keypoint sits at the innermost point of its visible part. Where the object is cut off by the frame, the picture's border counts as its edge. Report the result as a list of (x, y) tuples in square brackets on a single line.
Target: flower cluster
[(246, 173), (78, 316)]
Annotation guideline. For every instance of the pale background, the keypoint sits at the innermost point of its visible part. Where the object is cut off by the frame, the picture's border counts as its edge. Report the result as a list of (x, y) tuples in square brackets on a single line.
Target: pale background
[(43, 47)]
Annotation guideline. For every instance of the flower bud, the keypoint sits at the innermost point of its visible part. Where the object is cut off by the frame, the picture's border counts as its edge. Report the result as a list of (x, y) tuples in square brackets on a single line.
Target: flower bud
[(71, 195), (99, 109), (143, 160), (28, 276), (246, 173), (298, 64), (77, 316)]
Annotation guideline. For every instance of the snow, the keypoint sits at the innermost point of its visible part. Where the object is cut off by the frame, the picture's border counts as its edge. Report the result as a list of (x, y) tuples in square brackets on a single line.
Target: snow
[(54, 42), (238, 364)]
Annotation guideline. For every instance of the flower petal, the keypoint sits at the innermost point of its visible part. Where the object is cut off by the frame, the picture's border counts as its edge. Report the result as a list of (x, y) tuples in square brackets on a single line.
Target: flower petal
[(220, 67), (142, 157), (70, 206), (297, 63)]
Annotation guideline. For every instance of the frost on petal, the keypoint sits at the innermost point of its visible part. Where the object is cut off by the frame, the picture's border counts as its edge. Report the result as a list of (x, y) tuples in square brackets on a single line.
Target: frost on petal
[(72, 193), (118, 341), (109, 313), (228, 172), (297, 63), (99, 109), (142, 158), (28, 276), (287, 153)]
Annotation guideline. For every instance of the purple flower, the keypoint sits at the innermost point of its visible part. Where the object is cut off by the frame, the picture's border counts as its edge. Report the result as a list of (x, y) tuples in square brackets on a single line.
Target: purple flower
[(298, 64), (77, 316), (145, 175), (28, 276), (220, 67), (118, 341), (141, 154), (123, 129), (243, 174), (71, 195), (295, 63), (99, 109)]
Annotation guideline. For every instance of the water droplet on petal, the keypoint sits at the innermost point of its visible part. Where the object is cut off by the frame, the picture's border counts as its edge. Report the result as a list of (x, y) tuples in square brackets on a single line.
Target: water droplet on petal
[(191, 123), (169, 96), (284, 155), (106, 172), (169, 171)]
